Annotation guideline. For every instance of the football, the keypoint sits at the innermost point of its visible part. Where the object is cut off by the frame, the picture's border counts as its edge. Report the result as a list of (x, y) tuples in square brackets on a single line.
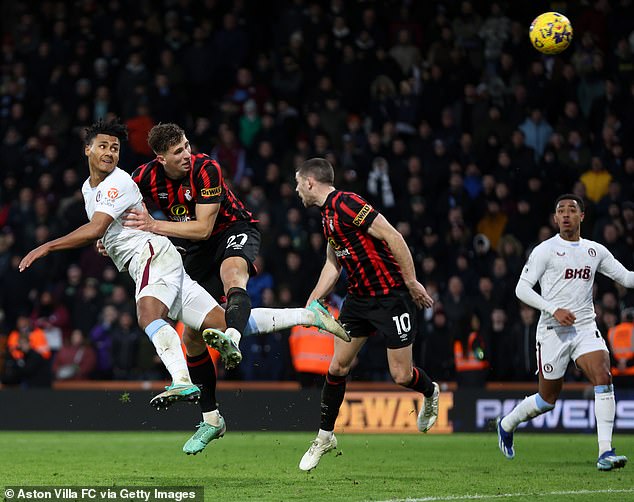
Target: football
[(551, 33)]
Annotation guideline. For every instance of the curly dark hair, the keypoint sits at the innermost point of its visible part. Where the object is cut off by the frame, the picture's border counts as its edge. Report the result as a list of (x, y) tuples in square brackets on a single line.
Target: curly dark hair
[(164, 136), (570, 196), (113, 128)]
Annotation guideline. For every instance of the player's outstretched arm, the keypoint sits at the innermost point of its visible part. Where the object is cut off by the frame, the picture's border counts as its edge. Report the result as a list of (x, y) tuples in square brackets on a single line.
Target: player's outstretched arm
[(196, 230), (328, 277), (84, 235), (382, 229)]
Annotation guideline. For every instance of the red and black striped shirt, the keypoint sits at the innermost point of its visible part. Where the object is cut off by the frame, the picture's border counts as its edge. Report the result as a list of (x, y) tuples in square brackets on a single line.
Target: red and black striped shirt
[(177, 199), (368, 262)]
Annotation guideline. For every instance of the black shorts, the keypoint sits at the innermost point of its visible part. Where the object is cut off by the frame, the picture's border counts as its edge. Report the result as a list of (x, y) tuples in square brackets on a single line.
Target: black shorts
[(202, 260), (394, 316)]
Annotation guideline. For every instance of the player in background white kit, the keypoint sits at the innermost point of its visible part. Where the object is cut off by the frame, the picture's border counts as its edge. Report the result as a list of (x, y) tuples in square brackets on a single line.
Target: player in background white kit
[(565, 266), (163, 288)]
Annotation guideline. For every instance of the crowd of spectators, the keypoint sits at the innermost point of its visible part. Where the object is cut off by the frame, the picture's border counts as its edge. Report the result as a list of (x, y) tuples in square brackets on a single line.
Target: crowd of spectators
[(440, 113)]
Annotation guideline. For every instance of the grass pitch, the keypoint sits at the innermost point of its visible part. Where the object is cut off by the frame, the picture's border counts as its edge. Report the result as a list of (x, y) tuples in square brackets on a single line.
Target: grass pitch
[(263, 466)]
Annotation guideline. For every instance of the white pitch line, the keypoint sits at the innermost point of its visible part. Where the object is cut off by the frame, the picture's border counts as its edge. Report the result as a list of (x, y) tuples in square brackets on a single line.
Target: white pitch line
[(510, 495)]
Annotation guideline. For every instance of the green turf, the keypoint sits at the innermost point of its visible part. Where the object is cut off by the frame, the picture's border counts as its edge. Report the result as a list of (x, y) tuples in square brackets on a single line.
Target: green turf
[(263, 466)]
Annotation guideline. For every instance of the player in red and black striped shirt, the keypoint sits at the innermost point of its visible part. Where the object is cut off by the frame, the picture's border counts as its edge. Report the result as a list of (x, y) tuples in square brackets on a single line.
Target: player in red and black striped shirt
[(219, 235), (383, 296), (218, 232)]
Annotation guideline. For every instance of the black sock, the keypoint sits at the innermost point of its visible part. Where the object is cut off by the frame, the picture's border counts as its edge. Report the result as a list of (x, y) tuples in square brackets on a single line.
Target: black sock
[(331, 399), (238, 309), (203, 373), (421, 383)]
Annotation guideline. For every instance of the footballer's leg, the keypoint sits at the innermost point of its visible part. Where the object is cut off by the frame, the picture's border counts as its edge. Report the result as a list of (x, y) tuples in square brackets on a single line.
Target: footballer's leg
[(596, 366), (265, 320), (532, 406), (553, 355), (196, 301), (234, 274), (203, 374), (151, 316), (407, 375), (332, 396)]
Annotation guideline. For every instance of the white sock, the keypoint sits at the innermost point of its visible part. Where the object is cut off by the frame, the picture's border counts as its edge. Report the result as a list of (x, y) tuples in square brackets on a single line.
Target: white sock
[(324, 435), (604, 411), (212, 417), (265, 320), (529, 408), (234, 334), (168, 348)]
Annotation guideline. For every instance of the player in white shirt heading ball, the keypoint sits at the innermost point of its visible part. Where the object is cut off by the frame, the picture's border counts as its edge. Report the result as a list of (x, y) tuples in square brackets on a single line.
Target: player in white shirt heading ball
[(163, 288), (565, 266)]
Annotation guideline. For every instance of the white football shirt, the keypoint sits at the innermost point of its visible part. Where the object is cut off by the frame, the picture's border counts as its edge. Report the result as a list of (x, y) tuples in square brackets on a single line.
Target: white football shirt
[(565, 271), (114, 195)]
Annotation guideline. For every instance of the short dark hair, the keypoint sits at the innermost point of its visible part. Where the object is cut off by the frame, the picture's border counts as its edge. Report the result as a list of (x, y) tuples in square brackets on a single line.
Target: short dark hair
[(112, 128), (164, 136), (571, 196), (318, 168)]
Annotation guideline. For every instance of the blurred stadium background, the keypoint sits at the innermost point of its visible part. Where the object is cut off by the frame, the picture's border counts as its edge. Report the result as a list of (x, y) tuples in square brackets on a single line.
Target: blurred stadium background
[(440, 113)]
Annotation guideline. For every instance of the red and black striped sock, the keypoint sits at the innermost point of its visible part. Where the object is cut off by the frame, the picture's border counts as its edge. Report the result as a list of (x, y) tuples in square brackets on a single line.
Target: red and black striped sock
[(331, 399), (421, 383), (203, 373)]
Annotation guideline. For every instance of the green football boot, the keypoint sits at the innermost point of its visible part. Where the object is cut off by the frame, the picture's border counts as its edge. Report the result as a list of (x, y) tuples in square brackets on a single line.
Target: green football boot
[(228, 349), (325, 321), (203, 436), (188, 393)]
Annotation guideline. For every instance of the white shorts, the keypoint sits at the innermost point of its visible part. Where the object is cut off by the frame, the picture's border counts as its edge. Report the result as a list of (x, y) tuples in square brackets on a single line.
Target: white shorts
[(558, 345), (158, 272)]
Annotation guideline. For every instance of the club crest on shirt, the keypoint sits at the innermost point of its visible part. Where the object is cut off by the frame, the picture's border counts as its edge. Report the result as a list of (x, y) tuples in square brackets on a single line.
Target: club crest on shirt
[(592, 252), (108, 200), (188, 194)]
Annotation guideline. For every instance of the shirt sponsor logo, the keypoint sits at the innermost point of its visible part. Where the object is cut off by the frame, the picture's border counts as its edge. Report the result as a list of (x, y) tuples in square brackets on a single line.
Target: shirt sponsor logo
[(361, 215), (578, 273), (210, 192), (179, 210), (332, 243), (113, 193), (339, 253)]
